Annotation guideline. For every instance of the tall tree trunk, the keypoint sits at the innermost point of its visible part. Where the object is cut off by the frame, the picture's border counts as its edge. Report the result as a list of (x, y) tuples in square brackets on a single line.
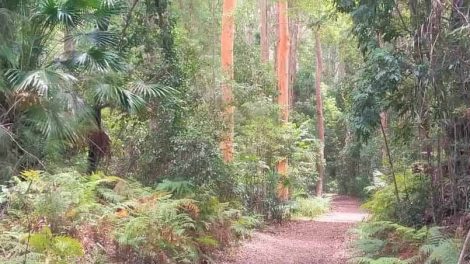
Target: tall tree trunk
[(383, 114), (227, 39), (283, 84), (319, 108), (273, 16), (390, 160), (384, 124), (283, 61), (263, 7), (294, 32)]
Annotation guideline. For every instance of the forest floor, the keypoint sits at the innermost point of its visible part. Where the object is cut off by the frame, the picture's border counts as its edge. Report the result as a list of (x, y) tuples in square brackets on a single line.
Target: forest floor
[(324, 240)]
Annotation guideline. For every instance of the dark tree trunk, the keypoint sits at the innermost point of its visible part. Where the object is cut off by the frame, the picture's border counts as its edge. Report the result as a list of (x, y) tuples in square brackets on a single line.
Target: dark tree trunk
[(98, 143)]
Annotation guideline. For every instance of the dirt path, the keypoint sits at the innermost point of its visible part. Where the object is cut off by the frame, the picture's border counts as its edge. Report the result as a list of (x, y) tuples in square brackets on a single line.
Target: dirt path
[(321, 241)]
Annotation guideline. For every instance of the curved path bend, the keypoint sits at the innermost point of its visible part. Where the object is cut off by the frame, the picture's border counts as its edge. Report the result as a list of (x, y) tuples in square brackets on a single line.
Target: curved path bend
[(321, 241)]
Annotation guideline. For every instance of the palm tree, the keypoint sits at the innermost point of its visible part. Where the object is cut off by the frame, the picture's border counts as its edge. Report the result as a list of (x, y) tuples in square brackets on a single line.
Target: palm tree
[(57, 94)]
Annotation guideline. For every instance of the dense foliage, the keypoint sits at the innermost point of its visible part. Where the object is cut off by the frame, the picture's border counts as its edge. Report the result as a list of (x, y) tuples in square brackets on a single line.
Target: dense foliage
[(90, 88)]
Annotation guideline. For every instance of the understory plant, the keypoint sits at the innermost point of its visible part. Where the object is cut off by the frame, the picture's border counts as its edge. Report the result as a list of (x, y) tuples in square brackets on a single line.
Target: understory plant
[(411, 207), (384, 242), (311, 207), (71, 218)]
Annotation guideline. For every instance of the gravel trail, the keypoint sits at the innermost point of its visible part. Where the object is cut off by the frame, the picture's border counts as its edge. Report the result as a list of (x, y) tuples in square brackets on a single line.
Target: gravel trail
[(320, 241)]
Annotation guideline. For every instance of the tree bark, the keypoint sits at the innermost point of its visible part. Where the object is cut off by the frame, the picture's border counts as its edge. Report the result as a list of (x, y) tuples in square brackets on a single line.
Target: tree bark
[(319, 110), (98, 143), (294, 32), (263, 7), (283, 61), (227, 39), (464, 248), (390, 160), (283, 86)]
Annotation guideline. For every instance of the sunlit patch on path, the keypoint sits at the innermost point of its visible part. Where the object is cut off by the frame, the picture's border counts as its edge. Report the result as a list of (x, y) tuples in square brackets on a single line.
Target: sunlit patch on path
[(320, 241)]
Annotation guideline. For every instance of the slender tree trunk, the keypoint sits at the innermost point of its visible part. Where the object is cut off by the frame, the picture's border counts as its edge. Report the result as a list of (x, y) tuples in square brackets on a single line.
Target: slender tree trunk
[(390, 160), (384, 124), (464, 248), (227, 39), (283, 61), (274, 30), (94, 151), (263, 7), (283, 85), (294, 32), (319, 109)]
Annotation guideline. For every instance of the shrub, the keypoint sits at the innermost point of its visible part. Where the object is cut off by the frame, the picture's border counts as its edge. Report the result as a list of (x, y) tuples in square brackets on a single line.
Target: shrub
[(414, 194), (311, 207), (388, 242), (65, 217)]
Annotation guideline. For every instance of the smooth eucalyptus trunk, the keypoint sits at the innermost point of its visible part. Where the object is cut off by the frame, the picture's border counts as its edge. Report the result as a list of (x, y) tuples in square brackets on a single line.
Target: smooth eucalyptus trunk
[(319, 111), (264, 43), (294, 32), (283, 86), (227, 39)]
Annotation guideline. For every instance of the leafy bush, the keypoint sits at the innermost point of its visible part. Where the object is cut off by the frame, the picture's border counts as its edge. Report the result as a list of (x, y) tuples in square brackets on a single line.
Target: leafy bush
[(414, 193), (311, 207), (65, 217), (388, 242), (262, 142)]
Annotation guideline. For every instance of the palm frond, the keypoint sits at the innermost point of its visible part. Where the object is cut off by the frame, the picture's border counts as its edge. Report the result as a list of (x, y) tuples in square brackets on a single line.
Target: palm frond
[(7, 23), (110, 3), (105, 94), (151, 90), (51, 123), (8, 55), (103, 13), (58, 13), (97, 60), (133, 102), (96, 38), (40, 81)]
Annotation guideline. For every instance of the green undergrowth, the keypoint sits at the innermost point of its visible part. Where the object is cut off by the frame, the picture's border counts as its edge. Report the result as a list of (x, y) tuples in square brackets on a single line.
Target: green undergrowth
[(310, 207), (384, 242), (71, 218)]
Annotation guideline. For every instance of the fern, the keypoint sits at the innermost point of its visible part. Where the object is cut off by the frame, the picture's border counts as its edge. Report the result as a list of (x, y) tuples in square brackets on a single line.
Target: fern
[(163, 226), (177, 188), (371, 247), (243, 226), (148, 221), (377, 239), (59, 248), (383, 260)]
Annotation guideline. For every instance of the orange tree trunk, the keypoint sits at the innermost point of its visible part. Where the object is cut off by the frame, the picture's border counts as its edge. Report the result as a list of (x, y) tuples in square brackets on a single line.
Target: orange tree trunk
[(283, 86), (227, 38), (263, 7), (319, 108)]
